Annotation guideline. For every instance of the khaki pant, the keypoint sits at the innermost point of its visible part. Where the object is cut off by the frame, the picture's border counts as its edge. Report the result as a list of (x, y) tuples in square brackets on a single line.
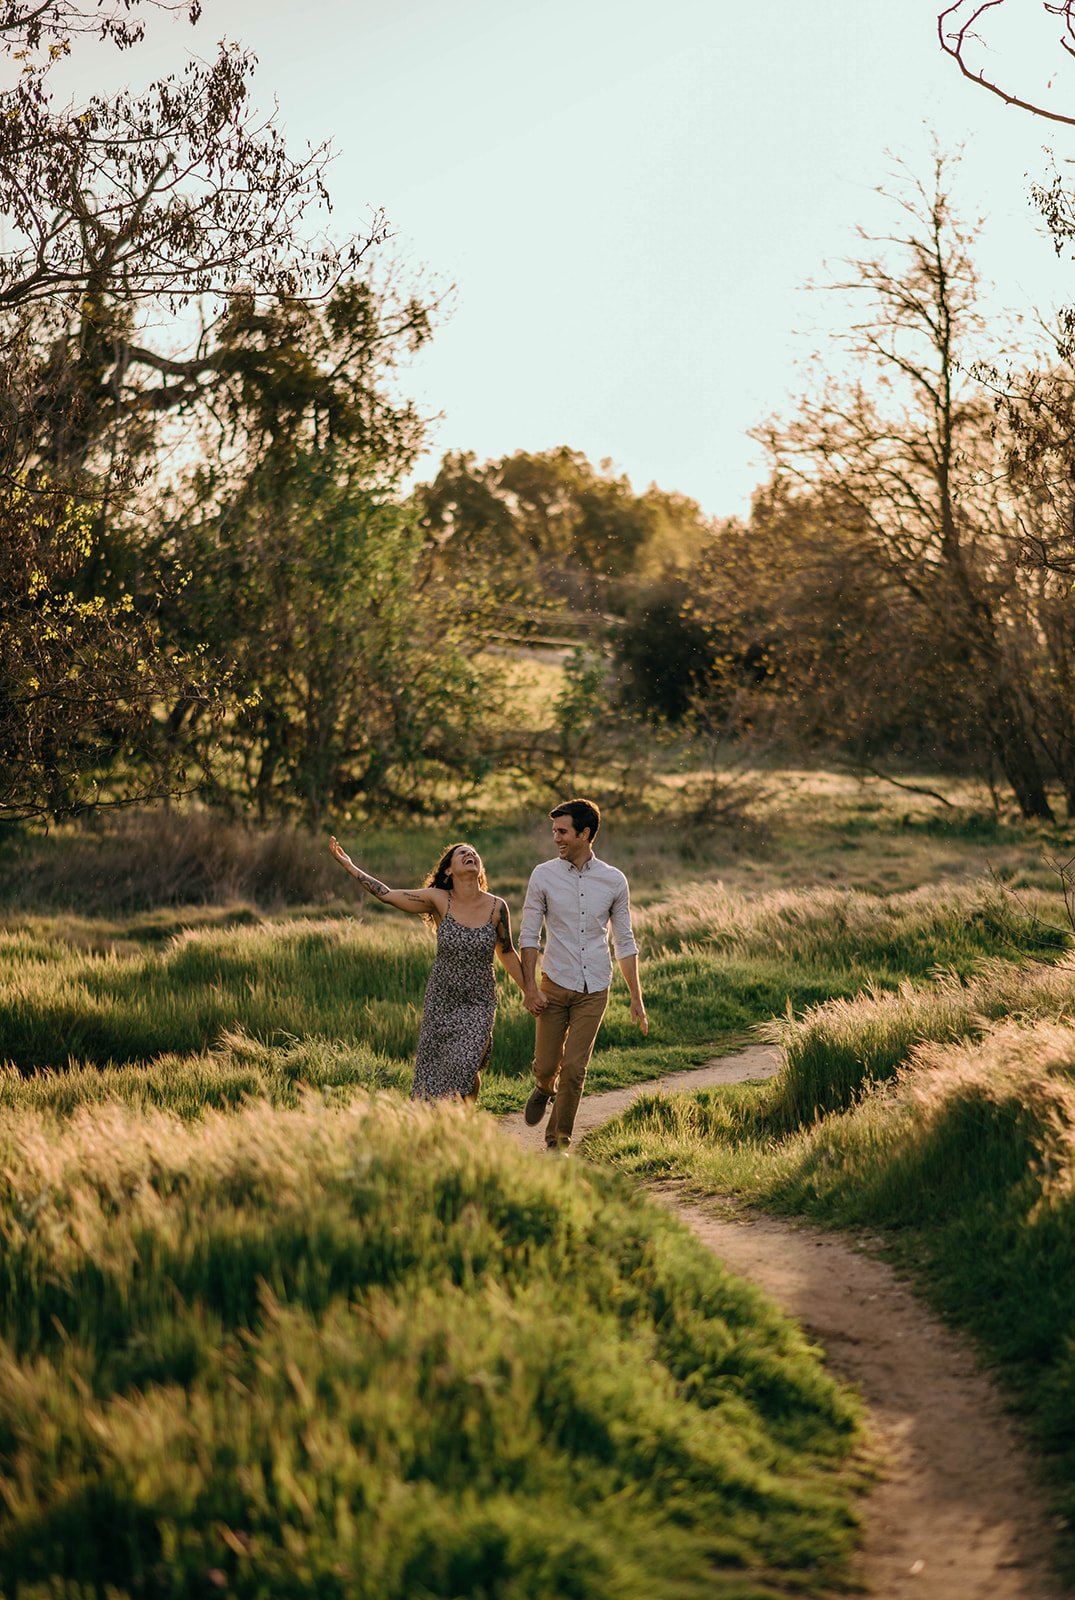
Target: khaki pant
[(564, 1037)]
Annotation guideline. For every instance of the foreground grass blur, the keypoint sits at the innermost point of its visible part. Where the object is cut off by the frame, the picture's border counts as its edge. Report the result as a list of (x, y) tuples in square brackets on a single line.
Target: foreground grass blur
[(372, 1350)]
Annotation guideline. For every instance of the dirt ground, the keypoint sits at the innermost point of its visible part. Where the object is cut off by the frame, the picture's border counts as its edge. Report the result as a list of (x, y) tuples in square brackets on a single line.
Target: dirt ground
[(957, 1513)]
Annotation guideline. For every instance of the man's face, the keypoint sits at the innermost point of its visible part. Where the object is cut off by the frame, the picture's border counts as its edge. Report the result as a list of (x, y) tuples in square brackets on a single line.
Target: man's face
[(567, 842)]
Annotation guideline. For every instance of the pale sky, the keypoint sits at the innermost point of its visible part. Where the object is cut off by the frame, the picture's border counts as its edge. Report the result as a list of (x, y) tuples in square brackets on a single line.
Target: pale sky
[(629, 197)]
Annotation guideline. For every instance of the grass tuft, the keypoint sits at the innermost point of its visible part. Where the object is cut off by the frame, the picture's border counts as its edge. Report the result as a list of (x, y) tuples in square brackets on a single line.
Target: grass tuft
[(839, 1050)]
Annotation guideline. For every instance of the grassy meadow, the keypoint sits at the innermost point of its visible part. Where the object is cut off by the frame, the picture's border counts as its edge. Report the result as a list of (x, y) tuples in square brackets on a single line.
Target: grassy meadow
[(716, 962), (265, 1327)]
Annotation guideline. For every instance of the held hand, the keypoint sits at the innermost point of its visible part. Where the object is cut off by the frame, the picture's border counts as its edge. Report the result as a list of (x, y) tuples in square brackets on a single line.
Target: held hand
[(534, 1001), (638, 1014)]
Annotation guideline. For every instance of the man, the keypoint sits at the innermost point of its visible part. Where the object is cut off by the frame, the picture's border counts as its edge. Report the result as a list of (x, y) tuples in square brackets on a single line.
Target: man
[(578, 897)]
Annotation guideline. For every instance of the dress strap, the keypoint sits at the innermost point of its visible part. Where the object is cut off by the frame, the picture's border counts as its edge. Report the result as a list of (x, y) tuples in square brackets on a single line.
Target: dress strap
[(495, 911)]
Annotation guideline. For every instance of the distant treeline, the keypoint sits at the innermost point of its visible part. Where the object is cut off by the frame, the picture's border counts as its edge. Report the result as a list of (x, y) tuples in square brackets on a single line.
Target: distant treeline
[(213, 582)]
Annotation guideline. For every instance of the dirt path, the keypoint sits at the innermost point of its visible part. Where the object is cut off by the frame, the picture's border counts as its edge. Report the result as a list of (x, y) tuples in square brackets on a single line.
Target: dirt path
[(958, 1514)]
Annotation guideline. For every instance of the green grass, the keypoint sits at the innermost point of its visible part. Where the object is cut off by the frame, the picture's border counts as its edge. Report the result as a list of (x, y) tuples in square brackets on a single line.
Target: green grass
[(239, 1070), (947, 1127), (372, 1350), (715, 964), (264, 1333)]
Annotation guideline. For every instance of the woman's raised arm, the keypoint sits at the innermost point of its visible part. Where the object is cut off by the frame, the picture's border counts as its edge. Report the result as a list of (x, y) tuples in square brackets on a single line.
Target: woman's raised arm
[(419, 901)]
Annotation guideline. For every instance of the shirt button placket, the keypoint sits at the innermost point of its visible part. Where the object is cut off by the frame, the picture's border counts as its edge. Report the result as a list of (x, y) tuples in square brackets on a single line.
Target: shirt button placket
[(582, 929)]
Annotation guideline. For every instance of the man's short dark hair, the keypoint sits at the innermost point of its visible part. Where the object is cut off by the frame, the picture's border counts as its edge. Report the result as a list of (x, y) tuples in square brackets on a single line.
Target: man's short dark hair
[(583, 814)]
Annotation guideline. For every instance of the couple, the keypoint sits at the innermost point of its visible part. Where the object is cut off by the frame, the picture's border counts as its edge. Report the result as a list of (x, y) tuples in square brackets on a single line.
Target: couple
[(577, 897)]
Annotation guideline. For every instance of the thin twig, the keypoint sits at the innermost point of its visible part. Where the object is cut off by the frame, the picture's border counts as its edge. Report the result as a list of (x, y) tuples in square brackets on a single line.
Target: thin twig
[(898, 783), (1041, 922)]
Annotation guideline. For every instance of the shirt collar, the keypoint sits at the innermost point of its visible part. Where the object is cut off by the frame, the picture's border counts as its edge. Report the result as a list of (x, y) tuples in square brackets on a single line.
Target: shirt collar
[(586, 865)]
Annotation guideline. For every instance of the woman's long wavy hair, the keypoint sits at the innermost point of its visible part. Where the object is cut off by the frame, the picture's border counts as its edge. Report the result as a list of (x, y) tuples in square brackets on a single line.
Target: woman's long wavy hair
[(439, 878)]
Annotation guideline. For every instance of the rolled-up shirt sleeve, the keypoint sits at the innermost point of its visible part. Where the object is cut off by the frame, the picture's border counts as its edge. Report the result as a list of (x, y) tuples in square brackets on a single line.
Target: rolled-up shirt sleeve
[(623, 938), (533, 914)]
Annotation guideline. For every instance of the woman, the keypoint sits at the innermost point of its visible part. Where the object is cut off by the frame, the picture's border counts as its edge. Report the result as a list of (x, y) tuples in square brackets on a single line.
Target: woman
[(460, 1001)]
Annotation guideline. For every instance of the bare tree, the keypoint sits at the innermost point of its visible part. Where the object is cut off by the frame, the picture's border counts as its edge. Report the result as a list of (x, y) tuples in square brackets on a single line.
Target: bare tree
[(906, 463)]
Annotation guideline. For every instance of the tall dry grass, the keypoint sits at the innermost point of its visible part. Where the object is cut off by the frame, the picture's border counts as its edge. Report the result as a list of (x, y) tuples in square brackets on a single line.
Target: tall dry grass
[(167, 858), (363, 981), (906, 934), (839, 1050)]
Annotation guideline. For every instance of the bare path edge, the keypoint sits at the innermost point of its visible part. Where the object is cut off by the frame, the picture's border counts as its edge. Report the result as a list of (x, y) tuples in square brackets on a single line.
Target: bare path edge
[(958, 1513)]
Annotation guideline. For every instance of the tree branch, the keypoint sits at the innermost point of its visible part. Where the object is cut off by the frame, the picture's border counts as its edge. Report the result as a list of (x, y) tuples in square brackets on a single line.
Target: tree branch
[(954, 43)]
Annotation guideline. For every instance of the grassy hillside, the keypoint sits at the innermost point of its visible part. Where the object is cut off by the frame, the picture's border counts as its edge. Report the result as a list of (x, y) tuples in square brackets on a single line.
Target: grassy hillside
[(374, 1351), (265, 1328), (943, 1119)]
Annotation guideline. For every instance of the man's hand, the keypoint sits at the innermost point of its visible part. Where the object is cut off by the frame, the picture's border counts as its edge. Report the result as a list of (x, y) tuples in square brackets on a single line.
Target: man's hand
[(638, 1013), (533, 999)]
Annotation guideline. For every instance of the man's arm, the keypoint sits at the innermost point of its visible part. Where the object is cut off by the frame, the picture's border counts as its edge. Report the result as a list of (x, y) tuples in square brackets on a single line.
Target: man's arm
[(629, 968), (623, 937), (529, 944)]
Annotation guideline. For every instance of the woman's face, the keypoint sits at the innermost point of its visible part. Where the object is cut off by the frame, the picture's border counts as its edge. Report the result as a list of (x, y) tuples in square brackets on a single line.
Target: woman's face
[(465, 860)]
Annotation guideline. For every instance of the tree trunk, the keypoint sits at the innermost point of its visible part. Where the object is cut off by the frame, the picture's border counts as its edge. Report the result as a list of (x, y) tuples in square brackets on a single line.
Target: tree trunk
[(1020, 765)]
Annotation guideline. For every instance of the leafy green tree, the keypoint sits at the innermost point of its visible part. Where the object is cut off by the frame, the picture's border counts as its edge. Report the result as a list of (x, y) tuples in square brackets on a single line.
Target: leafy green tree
[(118, 214), (351, 658), (664, 652), (677, 532), (551, 524), (353, 672), (81, 678)]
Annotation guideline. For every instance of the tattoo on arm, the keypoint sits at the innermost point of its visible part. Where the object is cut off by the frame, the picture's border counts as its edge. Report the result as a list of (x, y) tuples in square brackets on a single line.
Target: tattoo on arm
[(503, 927), (413, 894), (374, 885)]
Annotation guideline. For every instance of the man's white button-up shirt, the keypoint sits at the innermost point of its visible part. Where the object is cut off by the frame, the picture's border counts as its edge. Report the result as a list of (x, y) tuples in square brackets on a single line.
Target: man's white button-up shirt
[(578, 907)]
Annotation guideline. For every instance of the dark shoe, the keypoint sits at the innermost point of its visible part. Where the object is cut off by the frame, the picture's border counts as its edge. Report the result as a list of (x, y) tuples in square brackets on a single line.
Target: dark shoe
[(536, 1107)]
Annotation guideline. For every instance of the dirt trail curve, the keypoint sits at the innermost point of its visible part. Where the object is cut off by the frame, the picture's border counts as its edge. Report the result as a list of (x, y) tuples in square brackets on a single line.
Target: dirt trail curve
[(958, 1514)]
